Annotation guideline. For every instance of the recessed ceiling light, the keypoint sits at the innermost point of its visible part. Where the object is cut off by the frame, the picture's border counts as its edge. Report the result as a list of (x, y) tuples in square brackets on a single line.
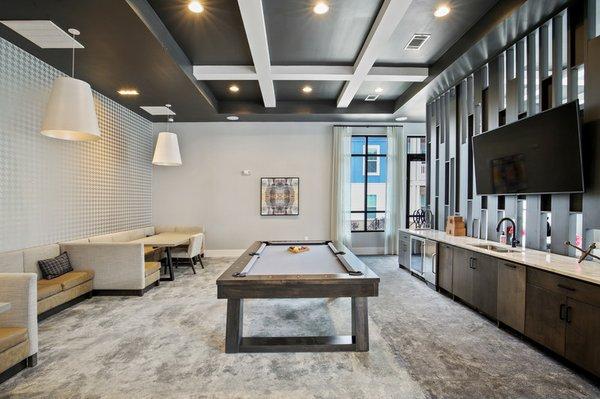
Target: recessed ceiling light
[(233, 117), (234, 89), (307, 89), (128, 92), (195, 6), (401, 118), (442, 11), (379, 90), (321, 8)]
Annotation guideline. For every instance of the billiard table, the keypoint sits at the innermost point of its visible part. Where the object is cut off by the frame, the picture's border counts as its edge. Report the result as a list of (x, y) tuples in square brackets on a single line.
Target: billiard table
[(268, 270)]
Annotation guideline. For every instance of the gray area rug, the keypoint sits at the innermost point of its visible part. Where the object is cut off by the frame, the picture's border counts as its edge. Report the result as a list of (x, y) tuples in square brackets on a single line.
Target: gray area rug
[(170, 343)]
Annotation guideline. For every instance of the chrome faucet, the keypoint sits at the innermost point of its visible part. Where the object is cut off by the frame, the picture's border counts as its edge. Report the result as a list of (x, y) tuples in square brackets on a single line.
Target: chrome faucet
[(514, 240)]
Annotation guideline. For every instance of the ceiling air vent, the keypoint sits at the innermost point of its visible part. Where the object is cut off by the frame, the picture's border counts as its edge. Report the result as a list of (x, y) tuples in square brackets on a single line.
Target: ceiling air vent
[(45, 34), (417, 41), (372, 97)]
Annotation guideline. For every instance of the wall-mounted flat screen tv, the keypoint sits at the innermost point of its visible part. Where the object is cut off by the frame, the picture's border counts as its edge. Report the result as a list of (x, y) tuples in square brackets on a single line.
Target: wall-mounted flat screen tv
[(540, 154)]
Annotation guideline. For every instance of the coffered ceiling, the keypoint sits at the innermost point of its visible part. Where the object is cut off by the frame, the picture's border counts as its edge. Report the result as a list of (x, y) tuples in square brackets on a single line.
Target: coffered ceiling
[(270, 50)]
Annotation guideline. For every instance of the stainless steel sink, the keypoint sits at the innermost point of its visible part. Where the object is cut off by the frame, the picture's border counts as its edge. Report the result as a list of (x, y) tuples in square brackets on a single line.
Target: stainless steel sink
[(495, 248)]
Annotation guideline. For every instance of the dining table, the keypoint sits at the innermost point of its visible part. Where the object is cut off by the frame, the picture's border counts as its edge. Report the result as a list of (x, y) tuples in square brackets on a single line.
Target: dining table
[(167, 240)]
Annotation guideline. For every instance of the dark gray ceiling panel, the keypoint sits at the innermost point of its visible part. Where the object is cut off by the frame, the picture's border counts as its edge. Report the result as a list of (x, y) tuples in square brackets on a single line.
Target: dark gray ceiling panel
[(120, 51), (299, 36), (249, 90), (291, 90), (444, 31), (508, 21), (215, 36), (391, 90)]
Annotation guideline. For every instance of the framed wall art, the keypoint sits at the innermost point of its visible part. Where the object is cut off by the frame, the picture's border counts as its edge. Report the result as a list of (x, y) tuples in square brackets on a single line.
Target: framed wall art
[(279, 196)]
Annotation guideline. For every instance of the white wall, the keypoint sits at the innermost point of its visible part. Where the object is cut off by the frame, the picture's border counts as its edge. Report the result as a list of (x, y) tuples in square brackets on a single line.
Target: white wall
[(209, 188)]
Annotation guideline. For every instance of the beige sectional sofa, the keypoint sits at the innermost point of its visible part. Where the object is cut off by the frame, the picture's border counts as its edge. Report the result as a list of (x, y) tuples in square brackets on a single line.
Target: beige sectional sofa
[(52, 295), (119, 265), (18, 325)]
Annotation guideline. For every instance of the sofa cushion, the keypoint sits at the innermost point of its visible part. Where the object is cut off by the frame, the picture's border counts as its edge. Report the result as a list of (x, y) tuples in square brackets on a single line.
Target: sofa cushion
[(47, 288), (11, 336), (151, 267), (32, 255), (11, 262), (72, 279), (55, 267)]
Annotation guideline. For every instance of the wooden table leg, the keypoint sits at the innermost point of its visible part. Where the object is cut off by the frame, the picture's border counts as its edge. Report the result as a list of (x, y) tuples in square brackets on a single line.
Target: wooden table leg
[(360, 323), (233, 330)]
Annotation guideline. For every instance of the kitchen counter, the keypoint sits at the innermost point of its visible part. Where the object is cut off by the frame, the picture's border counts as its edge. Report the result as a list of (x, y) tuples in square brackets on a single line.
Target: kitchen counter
[(587, 271)]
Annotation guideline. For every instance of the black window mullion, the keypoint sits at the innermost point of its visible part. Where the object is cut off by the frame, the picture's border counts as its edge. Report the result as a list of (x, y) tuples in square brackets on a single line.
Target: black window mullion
[(366, 181), (365, 155)]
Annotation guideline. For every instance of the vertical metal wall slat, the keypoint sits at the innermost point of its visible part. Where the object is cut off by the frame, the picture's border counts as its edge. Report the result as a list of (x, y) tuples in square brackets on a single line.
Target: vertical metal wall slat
[(463, 169), (442, 161), (520, 75), (533, 212), (495, 93), (512, 112), (451, 148), (477, 95), (560, 202)]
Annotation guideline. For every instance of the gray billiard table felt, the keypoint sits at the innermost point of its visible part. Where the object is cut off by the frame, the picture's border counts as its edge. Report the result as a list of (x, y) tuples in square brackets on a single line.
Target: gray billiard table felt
[(276, 259)]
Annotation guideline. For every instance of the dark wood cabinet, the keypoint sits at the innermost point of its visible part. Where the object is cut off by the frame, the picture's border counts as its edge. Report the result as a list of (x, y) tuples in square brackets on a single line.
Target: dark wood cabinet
[(583, 335), (563, 314), (485, 283), (445, 256), (544, 318), (511, 295), (462, 275)]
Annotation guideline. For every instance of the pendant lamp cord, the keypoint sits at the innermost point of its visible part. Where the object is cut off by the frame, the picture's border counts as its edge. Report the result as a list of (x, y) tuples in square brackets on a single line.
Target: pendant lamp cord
[(73, 60)]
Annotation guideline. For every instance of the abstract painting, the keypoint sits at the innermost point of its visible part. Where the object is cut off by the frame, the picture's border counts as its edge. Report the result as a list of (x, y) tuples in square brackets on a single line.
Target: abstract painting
[(279, 196)]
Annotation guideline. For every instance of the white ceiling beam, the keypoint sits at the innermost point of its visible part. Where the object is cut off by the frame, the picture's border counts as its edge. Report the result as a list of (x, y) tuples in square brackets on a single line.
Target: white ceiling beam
[(310, 72), (388, 18), (253, 18), (397, 74), (225, 72)]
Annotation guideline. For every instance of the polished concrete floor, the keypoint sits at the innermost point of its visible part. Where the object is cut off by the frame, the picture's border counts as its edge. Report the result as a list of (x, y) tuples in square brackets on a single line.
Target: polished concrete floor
[(169, 343)]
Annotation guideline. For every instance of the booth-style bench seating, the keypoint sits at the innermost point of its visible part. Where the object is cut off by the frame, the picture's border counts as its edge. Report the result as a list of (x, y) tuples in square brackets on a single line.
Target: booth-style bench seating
[(18, 325), (52, 295), (119, 265)]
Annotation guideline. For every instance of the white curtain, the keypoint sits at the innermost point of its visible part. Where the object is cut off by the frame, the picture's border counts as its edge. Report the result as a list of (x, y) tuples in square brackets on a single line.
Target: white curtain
[(340, 185), (395, 215)]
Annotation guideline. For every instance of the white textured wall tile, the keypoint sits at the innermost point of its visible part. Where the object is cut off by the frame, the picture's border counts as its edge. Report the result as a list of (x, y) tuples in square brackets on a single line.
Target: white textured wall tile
[(55, 190)]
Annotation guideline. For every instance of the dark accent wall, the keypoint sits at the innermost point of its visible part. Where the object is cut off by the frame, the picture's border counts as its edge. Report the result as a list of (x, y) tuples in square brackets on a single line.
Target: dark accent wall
[(555, 57)]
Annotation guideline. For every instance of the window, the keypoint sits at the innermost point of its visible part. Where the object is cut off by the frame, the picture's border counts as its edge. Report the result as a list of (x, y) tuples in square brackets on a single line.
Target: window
[(369, 183), (416, 182)]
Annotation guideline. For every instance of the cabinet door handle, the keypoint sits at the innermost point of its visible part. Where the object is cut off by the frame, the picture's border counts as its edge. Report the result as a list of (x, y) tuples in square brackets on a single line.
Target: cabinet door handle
[(510, 265), (568, 315), (565, 287), (562, 311)]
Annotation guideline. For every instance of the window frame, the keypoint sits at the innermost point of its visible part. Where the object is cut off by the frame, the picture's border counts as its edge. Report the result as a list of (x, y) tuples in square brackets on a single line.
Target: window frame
[(365, 155), (412, 157)]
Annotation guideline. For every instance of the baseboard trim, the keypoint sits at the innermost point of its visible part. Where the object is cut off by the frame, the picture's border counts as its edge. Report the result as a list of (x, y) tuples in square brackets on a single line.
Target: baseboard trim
[(223, 253), (63, 306), (368, 251), (10, 372)]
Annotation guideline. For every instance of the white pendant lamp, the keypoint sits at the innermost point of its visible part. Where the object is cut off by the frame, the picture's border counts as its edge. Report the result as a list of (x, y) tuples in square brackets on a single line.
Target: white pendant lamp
[(70, 113), (166, 152)]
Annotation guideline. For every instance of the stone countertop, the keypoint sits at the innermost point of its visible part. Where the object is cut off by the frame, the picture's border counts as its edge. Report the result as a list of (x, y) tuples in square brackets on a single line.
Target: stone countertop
[(567, 266), (4, 307)]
